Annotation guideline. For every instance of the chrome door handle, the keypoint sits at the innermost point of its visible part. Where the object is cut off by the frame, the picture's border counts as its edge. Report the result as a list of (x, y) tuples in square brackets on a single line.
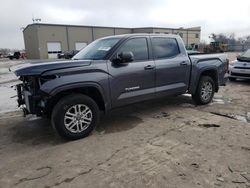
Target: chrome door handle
[(183, 63), (148, 67)]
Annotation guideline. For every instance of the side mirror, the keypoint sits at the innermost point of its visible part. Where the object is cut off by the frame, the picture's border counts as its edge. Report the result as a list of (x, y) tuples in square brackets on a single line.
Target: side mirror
[(124, 57)]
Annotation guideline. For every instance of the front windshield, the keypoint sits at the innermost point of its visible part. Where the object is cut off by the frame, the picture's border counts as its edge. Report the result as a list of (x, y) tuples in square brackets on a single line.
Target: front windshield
[(246, 54), (97, 50)]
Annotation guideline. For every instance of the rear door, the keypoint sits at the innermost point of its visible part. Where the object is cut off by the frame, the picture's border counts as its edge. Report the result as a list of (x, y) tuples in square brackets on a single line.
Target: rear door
[(134, 81), (172, 66)]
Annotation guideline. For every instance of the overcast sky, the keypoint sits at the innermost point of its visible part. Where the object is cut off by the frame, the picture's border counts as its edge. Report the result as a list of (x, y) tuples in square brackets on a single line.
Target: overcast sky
[(212, 15)]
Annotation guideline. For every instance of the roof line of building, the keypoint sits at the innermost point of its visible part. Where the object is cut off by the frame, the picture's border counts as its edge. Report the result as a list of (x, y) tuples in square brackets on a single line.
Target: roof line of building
[(108, 27)]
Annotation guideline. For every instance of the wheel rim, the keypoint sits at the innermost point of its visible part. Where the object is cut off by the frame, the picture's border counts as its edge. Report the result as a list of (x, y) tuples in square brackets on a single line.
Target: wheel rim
[(206, 91), (78, 118)]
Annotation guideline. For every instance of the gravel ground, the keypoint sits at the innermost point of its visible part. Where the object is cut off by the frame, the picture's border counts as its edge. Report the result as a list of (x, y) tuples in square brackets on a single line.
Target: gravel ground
[(168, 142)]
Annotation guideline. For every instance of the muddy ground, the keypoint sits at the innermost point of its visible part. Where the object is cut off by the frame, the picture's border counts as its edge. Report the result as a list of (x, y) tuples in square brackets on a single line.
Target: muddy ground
[(168, 142), (163, 143)]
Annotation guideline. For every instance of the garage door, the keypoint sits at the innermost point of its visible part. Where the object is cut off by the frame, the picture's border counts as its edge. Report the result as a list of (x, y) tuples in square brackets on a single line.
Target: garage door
[(54, 48), (80, 45)]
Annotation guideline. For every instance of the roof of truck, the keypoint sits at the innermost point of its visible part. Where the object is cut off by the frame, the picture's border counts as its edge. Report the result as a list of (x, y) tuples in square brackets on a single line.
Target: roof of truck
[(143, 34)]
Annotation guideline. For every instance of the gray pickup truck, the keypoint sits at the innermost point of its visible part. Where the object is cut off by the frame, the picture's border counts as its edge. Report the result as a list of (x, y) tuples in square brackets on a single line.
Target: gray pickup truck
[(112, 72)]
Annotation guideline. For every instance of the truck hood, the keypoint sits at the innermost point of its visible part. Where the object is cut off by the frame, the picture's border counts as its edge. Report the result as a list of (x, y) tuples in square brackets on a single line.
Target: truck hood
[(40, 68)]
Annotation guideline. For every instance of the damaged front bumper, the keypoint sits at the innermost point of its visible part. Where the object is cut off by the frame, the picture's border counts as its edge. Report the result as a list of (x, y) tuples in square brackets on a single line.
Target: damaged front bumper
[(27, 101)]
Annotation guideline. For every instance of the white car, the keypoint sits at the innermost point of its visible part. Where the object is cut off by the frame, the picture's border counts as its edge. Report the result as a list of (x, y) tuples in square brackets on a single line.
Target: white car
[(240, 68)]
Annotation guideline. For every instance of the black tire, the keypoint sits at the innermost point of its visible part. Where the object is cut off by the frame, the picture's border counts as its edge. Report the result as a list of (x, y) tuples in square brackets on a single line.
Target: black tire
[(198, 97), (232, 79), (67, 103)]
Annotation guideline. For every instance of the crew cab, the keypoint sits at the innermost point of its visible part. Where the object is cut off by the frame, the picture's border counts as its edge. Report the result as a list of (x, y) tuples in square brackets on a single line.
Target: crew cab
[(112, 72)]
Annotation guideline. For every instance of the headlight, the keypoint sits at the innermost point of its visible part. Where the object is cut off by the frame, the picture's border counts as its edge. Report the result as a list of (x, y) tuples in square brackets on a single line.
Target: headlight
[(232, 63)]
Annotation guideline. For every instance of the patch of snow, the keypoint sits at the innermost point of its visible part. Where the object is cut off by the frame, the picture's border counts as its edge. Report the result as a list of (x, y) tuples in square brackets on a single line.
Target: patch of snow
[(4, 71), (187, 95), (248, 116), (218, 101), (7, 102), (240, 118), (33, 118), (4, 78)]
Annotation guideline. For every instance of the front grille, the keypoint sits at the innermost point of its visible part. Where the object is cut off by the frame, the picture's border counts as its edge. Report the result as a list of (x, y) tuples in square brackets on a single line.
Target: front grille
[(239, 74), (242, 67)]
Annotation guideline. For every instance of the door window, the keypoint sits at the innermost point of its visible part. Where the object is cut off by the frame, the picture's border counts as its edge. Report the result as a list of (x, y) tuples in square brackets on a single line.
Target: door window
[(138, 46), (165, 47)]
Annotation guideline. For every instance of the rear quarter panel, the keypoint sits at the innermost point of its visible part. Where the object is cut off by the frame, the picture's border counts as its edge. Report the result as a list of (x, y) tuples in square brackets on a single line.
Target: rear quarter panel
[(205, 62)]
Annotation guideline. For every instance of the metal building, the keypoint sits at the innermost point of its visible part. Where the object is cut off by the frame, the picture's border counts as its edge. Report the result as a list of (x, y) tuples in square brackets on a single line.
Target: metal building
[(44, 41)]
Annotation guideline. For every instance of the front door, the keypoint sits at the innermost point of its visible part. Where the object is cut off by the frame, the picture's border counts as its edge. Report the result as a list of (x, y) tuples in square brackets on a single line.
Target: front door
[(134, 81)]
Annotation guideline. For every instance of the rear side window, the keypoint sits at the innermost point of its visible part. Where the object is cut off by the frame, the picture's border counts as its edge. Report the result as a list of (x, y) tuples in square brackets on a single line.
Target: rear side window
[(165, 47), (138, 46)]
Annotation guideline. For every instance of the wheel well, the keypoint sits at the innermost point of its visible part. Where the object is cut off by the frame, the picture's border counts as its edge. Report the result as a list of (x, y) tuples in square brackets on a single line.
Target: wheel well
[(213, 74), (92, 92)]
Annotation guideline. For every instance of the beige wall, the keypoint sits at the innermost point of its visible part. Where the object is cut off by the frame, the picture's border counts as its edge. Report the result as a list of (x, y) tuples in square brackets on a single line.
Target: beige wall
[(36, 36), (102, 32), (143, 30), (51, 34), (120, 31), (192, 37), (31, 42), (79, 34)]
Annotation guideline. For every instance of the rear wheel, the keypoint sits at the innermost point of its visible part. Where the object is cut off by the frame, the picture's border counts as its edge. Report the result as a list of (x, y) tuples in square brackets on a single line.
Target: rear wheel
[(75, 116), (205, 91)]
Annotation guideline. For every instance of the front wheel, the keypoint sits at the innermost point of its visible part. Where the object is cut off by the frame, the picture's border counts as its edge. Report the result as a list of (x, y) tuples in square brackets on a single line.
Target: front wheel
[(205, 91), (75, 116)]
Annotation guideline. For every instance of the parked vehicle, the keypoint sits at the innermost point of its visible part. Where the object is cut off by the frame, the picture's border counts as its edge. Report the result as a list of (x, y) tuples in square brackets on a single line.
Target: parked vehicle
[(67, 54), (240, 68), (116, 71), (216, 47), (15, 55), (61, 55)]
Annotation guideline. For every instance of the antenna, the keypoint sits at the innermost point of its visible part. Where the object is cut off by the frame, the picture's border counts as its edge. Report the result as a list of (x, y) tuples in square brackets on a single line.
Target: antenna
[(36, 20)]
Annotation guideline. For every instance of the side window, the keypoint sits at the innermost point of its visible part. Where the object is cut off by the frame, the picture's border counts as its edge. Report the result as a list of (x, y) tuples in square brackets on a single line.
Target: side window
[(138, 46), (165, 47)]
